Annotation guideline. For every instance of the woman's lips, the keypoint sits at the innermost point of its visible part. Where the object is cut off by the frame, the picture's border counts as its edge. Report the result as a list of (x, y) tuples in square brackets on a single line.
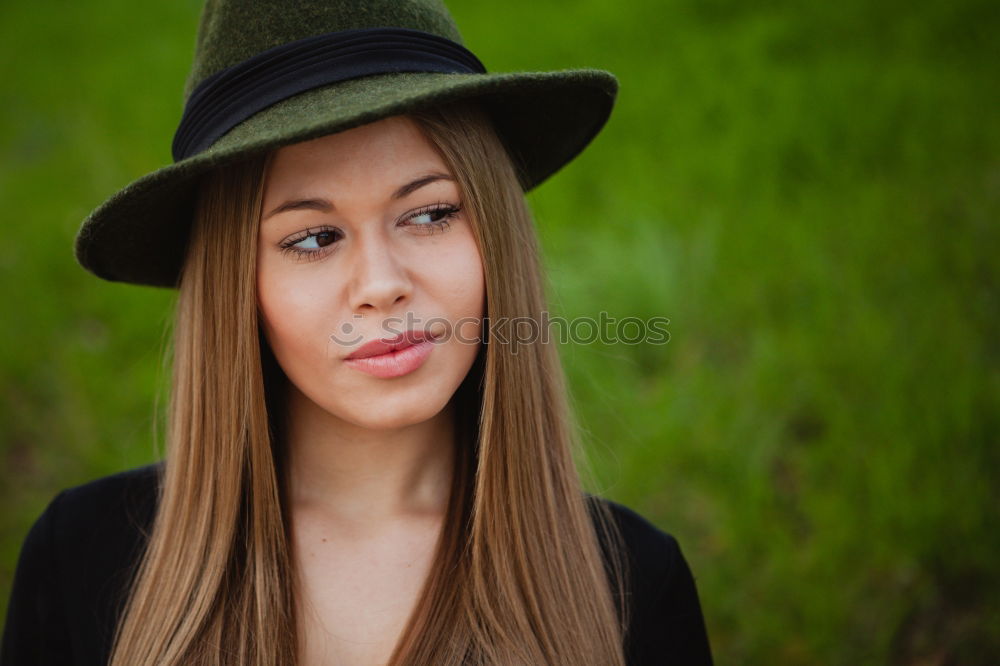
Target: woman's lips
[(392, 357), (386, 345)]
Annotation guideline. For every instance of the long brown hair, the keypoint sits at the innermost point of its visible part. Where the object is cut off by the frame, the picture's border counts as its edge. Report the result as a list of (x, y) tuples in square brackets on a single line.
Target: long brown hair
[(519, 576)]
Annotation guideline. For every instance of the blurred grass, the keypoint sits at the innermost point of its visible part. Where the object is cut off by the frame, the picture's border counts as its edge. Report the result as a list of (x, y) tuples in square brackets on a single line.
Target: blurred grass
[(809, 192)]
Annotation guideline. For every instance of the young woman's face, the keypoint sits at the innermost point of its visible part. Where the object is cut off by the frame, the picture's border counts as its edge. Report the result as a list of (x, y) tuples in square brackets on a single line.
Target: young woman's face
[(363, 237)]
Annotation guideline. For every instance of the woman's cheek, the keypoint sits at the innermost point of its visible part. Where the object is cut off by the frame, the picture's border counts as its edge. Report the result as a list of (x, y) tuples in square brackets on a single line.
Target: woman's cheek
[(286, 308), (466, 278)]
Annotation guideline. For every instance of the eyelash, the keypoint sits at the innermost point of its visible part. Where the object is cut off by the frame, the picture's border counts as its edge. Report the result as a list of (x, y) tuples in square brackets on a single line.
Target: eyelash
[(449, 212)]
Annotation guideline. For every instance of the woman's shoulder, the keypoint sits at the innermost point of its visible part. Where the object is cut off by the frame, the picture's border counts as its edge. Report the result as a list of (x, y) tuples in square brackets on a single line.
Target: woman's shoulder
[(652, 552), (105, 511), (100, 499), (665, 618), (99, 512), (102, 522), (74, 565)]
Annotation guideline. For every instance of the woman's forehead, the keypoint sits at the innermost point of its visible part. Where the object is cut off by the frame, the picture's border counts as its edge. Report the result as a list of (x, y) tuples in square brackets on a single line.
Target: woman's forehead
[(383, 153)]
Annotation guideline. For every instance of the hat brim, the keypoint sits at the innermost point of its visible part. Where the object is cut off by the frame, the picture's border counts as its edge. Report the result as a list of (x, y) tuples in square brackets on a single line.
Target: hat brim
[(139, 235)]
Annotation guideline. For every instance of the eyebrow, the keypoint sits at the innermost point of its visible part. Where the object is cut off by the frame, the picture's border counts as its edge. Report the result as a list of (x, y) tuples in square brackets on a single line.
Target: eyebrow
[(301, 204), (325, 206), (415, 185)]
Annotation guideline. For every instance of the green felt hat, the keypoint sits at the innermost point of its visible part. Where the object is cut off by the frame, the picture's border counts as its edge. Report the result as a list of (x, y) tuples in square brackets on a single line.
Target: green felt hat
[(267, 73)]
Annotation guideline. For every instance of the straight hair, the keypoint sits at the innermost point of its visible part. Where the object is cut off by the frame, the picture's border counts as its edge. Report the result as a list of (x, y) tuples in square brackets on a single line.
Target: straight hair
[(520, 574)]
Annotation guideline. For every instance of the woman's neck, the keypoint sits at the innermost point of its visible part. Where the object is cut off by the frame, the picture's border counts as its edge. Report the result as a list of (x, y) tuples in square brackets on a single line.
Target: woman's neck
[(367, 478)]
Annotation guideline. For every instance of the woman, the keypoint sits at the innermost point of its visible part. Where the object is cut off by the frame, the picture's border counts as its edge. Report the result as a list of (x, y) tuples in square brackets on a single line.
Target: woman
[(360, 469)]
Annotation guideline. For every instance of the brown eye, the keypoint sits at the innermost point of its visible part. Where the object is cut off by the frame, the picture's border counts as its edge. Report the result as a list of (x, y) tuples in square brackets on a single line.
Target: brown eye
[(310, 244), (324, 238), (431, 218)]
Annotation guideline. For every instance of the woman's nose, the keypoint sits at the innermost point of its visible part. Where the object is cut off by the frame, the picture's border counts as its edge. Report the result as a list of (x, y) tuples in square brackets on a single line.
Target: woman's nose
[(379, 278)]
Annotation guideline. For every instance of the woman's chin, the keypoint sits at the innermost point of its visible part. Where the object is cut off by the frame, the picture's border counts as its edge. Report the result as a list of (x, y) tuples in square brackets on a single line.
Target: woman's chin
[(381, 410)]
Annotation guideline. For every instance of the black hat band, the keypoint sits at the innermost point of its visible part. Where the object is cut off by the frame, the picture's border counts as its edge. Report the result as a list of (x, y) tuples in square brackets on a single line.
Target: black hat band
[(232, 95)]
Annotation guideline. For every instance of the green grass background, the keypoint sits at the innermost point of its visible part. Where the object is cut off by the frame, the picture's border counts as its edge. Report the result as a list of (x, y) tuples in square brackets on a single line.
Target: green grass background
[(809, 191)]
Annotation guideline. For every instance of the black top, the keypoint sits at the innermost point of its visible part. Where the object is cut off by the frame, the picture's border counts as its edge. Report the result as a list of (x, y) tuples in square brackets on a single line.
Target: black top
[(78, 555)]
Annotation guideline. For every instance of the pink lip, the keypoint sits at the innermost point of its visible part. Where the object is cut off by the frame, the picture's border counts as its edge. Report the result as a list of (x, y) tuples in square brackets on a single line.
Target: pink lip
[(393, 357), (386, 345)]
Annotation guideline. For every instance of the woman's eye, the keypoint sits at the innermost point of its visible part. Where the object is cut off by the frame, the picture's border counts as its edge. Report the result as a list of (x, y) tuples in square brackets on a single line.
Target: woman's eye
[(429, 217), (314, 241), (434, 217), (310, 244)]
